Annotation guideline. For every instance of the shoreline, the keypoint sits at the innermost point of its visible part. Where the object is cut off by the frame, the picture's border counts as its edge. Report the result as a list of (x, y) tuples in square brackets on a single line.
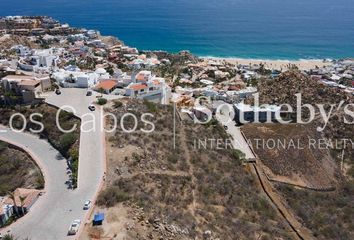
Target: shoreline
[(302, 64)]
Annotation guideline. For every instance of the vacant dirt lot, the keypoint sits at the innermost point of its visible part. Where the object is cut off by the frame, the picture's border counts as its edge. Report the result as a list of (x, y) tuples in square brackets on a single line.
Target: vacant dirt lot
[(289, 155)]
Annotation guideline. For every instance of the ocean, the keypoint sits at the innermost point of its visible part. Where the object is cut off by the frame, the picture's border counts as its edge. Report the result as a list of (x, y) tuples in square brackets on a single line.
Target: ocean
[(258, 29)]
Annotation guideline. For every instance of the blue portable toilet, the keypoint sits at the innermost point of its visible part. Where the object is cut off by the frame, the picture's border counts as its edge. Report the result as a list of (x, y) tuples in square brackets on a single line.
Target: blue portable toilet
[(98, 219)]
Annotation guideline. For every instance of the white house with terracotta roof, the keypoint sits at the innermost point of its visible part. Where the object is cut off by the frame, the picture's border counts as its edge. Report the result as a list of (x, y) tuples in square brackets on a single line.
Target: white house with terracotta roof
[(147, 86), (143, 76), (107, 85)]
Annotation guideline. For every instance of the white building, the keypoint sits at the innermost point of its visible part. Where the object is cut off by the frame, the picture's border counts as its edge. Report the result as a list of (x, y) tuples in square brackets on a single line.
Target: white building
[(147, 86), (22, 50), (75, 79), (44, 59), (6, 211), (79, 79)]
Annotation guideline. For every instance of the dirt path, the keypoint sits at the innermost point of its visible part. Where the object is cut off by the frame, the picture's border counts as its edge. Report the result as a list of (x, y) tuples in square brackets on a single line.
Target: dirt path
[(158, 172), (192, 207), (300, 231)]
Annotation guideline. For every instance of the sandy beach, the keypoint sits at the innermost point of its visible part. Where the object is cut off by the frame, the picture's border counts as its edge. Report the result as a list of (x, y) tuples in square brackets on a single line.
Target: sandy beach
[(277, 64)]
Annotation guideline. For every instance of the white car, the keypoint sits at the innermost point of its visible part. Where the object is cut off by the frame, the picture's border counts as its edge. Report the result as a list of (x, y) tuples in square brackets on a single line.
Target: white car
[(87, 205), (74, 227)]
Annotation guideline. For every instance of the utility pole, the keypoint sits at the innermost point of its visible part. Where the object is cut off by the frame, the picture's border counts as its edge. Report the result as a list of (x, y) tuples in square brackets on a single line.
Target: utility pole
[(342, 162)]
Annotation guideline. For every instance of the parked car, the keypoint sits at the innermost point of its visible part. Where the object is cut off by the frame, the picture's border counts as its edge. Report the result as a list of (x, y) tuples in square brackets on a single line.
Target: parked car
[(225, 127), (74, 227), (89, 93), (92, 108), (87, 205), (57, 92)]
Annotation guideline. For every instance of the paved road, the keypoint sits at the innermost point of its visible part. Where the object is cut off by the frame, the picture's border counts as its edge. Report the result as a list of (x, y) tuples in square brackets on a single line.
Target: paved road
[(52, 214), (239, 141)]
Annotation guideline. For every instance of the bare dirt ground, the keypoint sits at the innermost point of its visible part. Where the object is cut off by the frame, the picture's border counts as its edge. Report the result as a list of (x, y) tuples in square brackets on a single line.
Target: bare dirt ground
[(286, 155)]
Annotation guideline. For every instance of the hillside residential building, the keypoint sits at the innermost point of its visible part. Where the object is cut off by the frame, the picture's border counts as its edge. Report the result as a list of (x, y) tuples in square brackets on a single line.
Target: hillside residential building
[(27, 88), (147, 86), (248, 114), (40, 60), (107, 85), (78, 79)]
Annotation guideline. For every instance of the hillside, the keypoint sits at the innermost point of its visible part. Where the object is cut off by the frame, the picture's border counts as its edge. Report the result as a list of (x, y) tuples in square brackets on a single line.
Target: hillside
[(66, 143), (17, 170), (157, 191), (289, 155), (326, 211), (282, 90)]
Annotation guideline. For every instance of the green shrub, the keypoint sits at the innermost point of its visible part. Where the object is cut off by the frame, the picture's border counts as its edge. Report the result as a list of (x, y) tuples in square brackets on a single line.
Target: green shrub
[(40, 181), (74, 154), (101, 101), (237, 155), (66, 141), (8, 237), (3, 146), (117, 104), (150, 105), (172, 158)]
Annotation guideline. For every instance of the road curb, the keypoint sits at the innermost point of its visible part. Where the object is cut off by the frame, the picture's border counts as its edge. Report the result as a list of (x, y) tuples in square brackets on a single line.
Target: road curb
[(100, 187)]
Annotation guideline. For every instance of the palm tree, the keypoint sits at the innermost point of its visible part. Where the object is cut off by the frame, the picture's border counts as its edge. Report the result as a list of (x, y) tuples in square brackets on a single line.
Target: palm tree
[(8, 237), (22, 199), (71, 78), (12, 197)]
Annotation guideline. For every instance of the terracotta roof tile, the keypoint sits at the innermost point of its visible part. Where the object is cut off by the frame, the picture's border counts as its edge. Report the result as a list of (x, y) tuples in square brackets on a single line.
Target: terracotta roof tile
[(138, 87), (107, 84)]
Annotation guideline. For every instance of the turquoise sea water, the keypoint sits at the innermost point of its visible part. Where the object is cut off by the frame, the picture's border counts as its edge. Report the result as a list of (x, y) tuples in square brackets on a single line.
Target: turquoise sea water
[(264, 29)]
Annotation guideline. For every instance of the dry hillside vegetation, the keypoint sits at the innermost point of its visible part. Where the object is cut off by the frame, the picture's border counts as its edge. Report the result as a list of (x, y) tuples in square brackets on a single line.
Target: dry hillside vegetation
[(283, 89), (182, 192), (66, 143), (328, 214), (8, 41), (17, 170), (286, 151)]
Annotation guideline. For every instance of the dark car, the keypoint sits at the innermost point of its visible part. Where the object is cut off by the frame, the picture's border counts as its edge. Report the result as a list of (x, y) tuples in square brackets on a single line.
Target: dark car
[(89, 93), (57, 92), (92, 108)]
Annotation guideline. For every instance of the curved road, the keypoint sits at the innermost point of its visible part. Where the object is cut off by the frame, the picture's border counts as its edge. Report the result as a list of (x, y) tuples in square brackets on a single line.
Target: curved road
[(51, 215)]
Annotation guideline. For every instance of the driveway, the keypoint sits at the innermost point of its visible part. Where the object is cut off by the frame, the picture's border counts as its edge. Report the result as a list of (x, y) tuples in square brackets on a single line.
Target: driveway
[(52, 214), (239, 142)]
